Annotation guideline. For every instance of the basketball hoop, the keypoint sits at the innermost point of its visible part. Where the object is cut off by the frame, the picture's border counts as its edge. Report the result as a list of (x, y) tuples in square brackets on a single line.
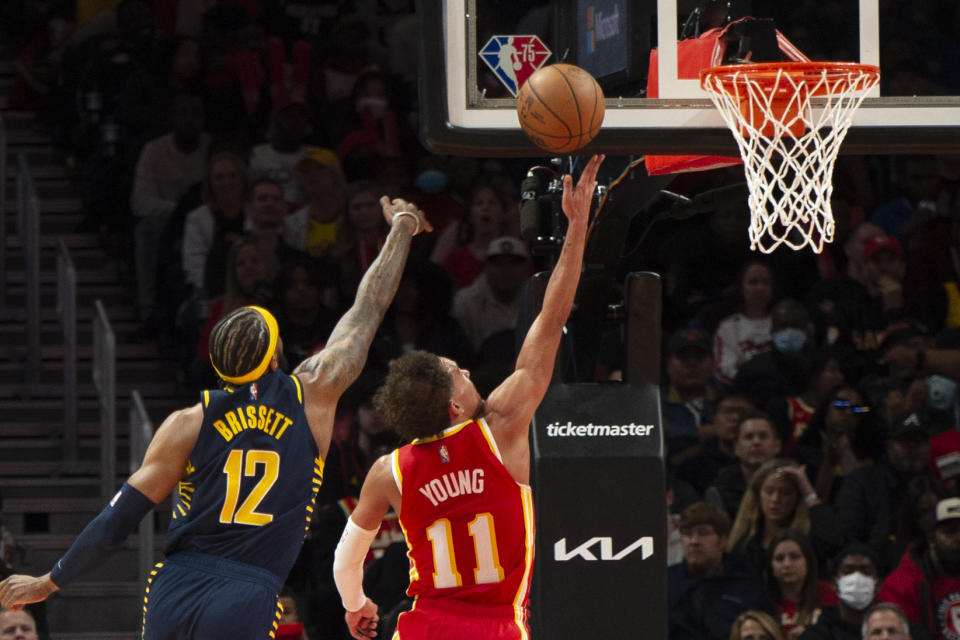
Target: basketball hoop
[(788, 147)]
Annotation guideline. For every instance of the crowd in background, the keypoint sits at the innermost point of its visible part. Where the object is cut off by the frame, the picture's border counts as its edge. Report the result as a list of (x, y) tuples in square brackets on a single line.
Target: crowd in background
[(234, 153)]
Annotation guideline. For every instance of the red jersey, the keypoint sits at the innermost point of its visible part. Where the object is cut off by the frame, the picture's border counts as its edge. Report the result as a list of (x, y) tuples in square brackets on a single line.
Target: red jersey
[(468, 524), (798, 417), (923, 598)]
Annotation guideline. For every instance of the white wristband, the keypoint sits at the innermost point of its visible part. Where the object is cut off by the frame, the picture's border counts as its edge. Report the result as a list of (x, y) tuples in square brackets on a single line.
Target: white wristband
[(407, 213), (348, 564)]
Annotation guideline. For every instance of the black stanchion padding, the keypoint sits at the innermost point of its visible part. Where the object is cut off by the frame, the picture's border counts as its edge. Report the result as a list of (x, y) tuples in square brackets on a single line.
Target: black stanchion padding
[(599, 495)]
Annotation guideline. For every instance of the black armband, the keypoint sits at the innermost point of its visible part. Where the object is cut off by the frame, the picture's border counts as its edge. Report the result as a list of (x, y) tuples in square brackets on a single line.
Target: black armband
[(921, 359), (103, 536)]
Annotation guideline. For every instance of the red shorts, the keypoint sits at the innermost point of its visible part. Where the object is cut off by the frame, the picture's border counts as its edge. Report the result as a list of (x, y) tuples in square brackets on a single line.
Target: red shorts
[(449, 619)]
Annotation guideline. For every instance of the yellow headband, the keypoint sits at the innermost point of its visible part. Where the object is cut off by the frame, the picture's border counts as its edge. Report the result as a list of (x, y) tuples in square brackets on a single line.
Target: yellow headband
[(261, 368)]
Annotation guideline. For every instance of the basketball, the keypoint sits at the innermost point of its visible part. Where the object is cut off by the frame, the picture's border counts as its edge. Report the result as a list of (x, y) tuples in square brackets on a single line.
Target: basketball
[(560, 108)]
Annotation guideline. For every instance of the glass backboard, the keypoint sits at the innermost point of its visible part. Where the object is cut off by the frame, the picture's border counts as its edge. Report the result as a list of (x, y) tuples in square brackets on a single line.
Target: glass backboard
[(467, 103)]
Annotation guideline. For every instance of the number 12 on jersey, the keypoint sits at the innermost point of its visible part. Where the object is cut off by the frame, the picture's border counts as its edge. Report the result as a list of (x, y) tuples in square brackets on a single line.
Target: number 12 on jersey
[(484, 548), (233, 468)]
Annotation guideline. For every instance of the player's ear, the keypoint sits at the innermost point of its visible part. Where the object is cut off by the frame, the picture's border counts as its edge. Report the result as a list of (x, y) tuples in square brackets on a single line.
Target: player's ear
[(277, 360), (454, 409)]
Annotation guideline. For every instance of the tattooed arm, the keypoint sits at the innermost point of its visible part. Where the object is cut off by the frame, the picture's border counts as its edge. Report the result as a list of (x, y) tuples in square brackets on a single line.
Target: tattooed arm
[(327, 374)]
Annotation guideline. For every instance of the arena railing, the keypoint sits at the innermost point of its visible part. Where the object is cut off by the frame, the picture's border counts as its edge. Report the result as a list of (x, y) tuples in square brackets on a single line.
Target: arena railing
[(3, 213), (105, 381), (141, 432), (67, 315)]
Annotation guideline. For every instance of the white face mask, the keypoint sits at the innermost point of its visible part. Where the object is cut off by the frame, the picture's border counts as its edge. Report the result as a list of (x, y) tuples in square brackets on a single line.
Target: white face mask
[(376, 104), (856, 590)]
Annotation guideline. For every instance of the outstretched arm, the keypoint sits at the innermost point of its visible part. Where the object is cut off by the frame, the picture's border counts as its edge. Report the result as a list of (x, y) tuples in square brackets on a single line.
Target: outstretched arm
[(510, 406), (326, 374), (162, 468), (379, 492)]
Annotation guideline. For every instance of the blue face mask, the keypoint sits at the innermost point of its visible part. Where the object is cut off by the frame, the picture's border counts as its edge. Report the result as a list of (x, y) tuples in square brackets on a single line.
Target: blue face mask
[(431, 181), (941, 393), (789, 340)]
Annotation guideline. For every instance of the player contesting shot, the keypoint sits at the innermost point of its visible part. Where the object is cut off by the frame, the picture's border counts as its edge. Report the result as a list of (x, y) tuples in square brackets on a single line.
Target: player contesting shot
[(460, 487), (248, 461)]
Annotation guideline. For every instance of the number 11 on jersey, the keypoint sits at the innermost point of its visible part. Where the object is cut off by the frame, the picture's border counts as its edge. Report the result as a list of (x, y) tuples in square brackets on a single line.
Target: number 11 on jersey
[(484, 547)]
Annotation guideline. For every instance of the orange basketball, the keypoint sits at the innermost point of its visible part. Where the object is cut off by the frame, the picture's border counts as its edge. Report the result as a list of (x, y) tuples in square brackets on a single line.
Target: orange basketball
[(560, 108)]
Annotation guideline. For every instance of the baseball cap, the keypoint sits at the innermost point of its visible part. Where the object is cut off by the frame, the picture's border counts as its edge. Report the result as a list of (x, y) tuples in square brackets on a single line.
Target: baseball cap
[(507, 246), (688, 338), (901, 331), (947, 509), (907, 423), (321, 155), (879, 243)]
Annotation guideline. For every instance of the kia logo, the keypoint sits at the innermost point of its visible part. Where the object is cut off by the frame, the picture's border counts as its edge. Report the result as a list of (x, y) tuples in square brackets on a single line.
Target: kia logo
[(586, 550)]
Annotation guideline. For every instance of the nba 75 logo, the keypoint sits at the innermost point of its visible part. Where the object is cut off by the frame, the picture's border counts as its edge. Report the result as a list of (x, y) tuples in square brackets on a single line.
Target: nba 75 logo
[(948, 612), (514, 59)]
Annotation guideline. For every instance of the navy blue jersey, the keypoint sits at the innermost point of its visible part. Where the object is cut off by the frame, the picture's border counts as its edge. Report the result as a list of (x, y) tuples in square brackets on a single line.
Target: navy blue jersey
[(251, 482)]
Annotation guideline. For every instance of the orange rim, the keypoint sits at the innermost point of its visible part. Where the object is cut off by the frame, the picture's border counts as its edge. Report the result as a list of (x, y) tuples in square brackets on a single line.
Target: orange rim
[(766, 73)]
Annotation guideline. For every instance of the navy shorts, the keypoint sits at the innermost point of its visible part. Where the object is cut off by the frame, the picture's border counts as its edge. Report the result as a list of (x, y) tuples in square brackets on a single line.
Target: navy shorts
[(195, 596)]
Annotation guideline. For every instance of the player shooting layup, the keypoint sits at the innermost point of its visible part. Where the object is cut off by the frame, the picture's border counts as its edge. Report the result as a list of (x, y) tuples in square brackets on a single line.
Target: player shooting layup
[(461, 487), (248, 461)]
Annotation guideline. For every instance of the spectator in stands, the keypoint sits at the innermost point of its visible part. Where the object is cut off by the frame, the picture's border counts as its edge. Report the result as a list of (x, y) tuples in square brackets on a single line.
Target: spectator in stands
[(885, 270), (17, 625), (420, 318), (920, 182), (718, 441), (930, 287), (856, 577), (348, 56), (373, 130), (780, 496), (944, 403), (755, 625), (216, 224), (685, 398), (277, 158), (710, 588), (248, 282), (703, 260), (784, 369), (745, 333), (790, 576), (265, 215), (841, 436), (301, 315), (491, 303), (872, 501), (755, 443), (793, 413), (313, 227), (167, 167), (432, 184), (885, 620), (147, 95), (360, 236), (898, 390), (841, 307), (462, 246), (941, 360), (289, 625), (926, 584)]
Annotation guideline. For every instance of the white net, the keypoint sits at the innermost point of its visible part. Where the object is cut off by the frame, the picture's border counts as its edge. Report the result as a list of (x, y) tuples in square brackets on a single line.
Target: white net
[(788, 148)]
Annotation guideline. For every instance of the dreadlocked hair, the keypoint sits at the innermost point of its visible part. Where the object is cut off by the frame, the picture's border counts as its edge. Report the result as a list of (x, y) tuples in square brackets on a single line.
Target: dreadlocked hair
[(414, 397), (239, 342)]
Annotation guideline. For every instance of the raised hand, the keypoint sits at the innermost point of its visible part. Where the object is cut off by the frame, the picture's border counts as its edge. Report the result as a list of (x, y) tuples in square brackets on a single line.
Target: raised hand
[(576, 200), (399, 207)]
